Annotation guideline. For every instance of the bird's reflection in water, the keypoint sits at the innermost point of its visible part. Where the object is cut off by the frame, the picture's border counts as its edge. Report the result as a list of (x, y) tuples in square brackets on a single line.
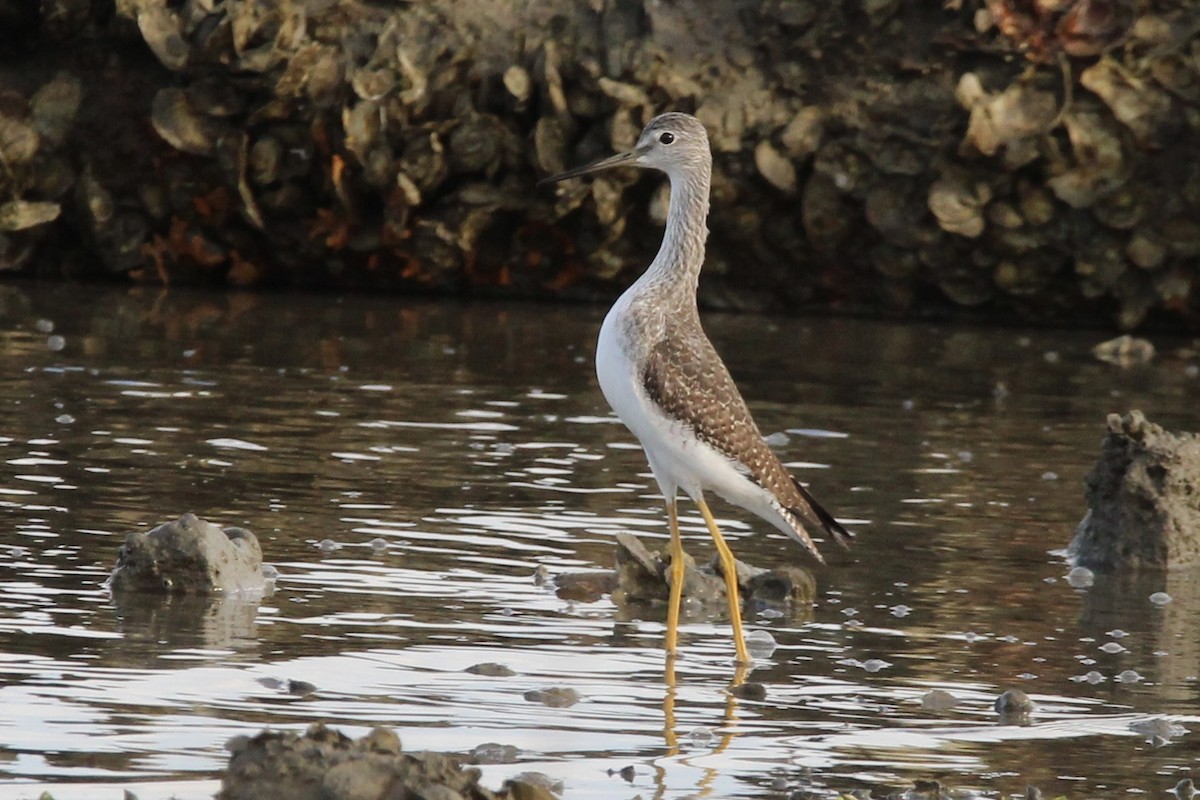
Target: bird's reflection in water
[(671, 737)]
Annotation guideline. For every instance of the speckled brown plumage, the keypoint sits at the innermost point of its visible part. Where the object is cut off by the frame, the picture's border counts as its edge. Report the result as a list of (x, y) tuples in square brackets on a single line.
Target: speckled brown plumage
[(683, 375)]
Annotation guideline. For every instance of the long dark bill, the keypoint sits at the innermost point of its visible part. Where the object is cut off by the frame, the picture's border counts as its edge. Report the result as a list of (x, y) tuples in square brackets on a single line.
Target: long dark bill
[(620, 159)]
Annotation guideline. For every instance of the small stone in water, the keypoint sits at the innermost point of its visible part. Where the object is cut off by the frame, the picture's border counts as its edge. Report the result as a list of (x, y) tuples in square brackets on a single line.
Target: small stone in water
[(491, 669), (1160, 598), (901, 610), (56, 343), (938, 700), (327, 545), (1014, 701), (495, 753), (700, 736), (908, 405), (1113, 647), (1049, 476), (535, 781), (554, 697), (1117, 633), (1128, 676), (300, 688), (875, 664), (44, 325), (379, 543), (1081, 577), (270, 572), (64, 419), (1185, 789), (751, 690), (965, 456)]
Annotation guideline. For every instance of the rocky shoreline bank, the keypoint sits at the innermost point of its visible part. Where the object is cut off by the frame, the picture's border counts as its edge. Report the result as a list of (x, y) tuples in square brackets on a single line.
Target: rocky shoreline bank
[(961, 157), (998, 159)]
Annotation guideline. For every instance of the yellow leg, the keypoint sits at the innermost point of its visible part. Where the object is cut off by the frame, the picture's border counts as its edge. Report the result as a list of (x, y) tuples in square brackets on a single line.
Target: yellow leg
[(731, 587), (669, 707), (676, 579)]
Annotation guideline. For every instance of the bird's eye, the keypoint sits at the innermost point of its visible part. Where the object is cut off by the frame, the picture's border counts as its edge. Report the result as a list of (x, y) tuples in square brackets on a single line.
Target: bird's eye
[(667, 138)]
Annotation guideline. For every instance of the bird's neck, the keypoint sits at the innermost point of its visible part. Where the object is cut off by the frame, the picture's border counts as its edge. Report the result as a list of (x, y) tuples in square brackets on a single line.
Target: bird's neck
[(676, 268)]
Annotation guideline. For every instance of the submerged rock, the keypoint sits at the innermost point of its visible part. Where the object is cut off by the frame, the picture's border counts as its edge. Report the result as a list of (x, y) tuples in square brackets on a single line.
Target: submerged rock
[(642, 577), (189, 556), (1143, 500), (1014, 707), (938, 700)]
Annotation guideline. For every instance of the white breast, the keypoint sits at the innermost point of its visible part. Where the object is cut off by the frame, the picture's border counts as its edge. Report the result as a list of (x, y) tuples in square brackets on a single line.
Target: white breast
[(677, 458)]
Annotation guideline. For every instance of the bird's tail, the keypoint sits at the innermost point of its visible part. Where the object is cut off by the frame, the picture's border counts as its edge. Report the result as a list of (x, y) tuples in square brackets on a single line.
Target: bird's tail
[(813, 515)]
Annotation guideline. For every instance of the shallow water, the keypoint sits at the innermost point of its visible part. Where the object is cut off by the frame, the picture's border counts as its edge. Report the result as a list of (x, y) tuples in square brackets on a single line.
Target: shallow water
[(444, 452)]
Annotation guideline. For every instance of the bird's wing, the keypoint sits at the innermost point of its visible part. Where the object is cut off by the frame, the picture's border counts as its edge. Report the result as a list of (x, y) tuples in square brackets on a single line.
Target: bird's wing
[(686, 378)]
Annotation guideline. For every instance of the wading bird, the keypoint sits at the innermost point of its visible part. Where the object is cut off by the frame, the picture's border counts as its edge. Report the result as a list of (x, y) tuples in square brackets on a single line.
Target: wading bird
[(665, 381)]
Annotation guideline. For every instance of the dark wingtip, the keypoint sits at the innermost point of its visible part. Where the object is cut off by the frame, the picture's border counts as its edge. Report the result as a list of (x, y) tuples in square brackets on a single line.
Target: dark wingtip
[(831, 526)]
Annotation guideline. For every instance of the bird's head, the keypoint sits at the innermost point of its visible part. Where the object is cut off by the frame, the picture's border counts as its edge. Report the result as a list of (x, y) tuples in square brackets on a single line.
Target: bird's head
[(673, 143)]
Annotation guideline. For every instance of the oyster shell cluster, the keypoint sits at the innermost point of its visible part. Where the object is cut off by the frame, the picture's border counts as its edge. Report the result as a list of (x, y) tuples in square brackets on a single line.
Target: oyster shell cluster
[(1029, 157)]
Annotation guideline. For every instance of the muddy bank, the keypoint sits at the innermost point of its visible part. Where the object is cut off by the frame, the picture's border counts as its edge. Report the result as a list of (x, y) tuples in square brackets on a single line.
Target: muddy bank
[(892, 158)]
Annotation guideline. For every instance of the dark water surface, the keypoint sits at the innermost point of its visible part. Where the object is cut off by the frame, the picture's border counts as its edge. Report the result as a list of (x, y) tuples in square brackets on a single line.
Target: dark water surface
[(444, 452)]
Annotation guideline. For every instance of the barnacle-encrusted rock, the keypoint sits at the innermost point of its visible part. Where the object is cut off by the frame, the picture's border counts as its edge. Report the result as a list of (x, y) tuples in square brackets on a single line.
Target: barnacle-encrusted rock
[(642, 577), (1002, 118), (18, 139), (1099, 162), (323, 763), (959, 206), (54, 106), (17, 215), (775, 167), (182, 125), (1135, 102), (1143, 499), (189, 556), (892, 148)]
